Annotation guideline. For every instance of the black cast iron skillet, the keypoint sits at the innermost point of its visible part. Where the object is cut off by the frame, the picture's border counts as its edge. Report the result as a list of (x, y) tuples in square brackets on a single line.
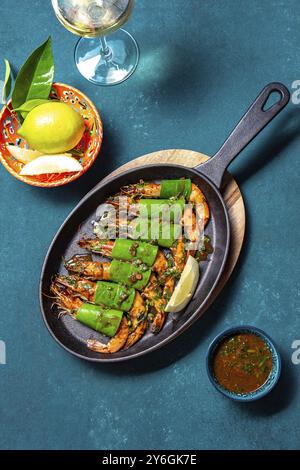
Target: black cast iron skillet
[(71, 334)]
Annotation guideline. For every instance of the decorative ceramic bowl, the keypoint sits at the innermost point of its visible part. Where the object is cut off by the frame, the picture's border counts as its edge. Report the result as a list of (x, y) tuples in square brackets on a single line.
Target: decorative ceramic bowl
[(89, 145), (273, 377)]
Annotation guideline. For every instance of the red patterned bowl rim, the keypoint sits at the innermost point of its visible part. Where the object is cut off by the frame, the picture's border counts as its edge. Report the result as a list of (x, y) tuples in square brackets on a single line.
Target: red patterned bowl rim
[(65, 179)]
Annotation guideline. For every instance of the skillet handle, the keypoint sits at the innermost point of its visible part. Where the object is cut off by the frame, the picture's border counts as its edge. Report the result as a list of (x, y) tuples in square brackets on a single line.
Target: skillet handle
[(249, 126)]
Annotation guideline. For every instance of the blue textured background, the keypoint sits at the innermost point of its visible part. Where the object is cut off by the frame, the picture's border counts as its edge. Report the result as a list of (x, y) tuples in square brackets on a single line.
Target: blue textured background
[(202, 63)]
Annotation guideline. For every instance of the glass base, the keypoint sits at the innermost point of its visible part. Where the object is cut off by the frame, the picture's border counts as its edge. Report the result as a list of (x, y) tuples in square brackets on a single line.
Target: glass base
[(111, 68)]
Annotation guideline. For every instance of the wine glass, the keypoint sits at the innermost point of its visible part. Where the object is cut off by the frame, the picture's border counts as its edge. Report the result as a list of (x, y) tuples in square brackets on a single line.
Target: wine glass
[(101, 60)]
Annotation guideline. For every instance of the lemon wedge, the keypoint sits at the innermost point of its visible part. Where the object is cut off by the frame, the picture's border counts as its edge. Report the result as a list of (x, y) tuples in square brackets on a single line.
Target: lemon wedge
[(23, 155), (186, 286), (51, 164)]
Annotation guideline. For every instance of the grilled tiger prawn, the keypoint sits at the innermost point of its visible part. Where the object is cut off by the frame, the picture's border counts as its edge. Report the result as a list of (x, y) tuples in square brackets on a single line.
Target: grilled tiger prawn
[(167, 189), (85, 266), (107, 321), (132, 250), (158, 298), (110, 295), (115, 344), (136, 276)]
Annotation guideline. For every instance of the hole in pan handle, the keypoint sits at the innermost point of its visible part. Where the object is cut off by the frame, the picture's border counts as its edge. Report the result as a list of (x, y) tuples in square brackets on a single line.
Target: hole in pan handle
[(255, 119)]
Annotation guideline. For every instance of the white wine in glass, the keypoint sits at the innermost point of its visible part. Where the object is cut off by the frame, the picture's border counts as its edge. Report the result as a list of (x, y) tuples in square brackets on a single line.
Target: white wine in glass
[(103, 61)]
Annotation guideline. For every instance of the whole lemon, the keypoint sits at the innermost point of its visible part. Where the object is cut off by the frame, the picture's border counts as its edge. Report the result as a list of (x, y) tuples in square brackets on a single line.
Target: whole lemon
[(52, 127)]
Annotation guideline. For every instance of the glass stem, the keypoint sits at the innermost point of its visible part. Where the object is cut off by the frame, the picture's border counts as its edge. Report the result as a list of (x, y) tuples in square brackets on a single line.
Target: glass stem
[(105, 50)]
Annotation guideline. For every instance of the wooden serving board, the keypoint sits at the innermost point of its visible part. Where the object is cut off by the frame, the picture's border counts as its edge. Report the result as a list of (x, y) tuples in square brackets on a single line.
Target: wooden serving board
[(231, 193)]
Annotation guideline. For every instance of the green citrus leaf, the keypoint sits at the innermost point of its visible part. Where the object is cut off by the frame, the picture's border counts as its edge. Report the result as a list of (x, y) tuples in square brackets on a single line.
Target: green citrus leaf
[(26, 107), (7, 82), (35, 78)]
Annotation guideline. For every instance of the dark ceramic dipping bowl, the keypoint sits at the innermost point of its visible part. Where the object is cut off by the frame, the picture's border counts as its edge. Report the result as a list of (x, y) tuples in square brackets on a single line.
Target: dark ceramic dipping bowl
[(263, 389)]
